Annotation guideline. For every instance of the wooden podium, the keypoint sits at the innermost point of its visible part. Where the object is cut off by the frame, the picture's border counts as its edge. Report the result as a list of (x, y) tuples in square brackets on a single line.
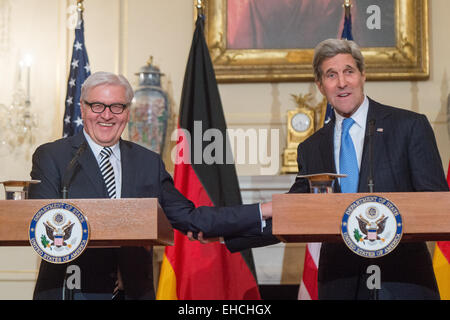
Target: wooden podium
[(112, 222), (317, 217)]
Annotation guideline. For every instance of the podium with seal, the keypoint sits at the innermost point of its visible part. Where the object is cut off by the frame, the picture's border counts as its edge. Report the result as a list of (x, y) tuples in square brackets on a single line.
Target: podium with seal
[(318, 217), (59, 230), (111, 222), (370, 224), (322, 215)]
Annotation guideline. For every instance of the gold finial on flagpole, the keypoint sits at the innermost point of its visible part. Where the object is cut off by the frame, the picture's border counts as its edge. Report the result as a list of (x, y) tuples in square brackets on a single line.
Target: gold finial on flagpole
[(347, 5), (150, 61), (200, 7), (80, 9), (80, 5)]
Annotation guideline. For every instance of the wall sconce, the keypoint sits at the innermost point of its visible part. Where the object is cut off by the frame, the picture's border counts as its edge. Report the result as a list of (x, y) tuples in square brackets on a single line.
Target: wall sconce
[(18, 121)]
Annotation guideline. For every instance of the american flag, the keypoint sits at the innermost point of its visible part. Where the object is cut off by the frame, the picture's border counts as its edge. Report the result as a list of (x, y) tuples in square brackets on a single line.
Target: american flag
[(308, 285), (346, 34), (347, 30), (79, 71)]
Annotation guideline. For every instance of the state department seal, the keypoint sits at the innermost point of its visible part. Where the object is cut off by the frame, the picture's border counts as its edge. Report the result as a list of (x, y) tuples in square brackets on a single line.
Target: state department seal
[(59, 232), (372, 227)]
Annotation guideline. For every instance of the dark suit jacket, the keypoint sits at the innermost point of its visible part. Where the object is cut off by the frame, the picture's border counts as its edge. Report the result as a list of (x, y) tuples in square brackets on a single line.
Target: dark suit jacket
[(143, 176), (405, 159)]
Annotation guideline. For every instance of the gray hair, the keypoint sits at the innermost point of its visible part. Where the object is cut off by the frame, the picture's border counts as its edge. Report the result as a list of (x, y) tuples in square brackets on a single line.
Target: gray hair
[(106, 78), (332, 47)]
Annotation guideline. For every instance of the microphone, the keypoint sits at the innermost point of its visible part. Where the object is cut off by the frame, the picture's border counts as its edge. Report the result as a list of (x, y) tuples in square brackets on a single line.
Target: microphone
[(370, 182), (69, 173)]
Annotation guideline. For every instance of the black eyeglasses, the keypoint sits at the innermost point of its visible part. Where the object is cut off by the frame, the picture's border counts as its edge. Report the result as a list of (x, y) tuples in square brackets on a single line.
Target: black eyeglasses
[(98, 107)]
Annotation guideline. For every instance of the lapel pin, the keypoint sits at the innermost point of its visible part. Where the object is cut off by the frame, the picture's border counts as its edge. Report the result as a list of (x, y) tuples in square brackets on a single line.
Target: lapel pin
[(380, 130)]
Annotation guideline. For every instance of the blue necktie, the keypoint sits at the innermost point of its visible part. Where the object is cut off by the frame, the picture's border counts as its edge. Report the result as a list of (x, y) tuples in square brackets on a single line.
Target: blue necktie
[(348, 163)]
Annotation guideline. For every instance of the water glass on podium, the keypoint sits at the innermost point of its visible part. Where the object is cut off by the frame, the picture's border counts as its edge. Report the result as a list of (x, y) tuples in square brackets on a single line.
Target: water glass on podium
[(16, 189)]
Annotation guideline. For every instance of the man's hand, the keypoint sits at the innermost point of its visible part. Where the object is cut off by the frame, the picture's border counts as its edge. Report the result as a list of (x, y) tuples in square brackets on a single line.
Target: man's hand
[(266, 210), (202, 240)]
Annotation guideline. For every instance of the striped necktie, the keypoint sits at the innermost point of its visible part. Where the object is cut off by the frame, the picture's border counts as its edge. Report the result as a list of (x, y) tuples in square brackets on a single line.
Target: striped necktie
[(108, 172), (348, 163)]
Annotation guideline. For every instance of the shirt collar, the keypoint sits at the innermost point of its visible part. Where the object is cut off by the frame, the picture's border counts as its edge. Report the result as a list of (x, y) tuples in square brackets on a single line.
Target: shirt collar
[(360, 116), (96, 148)]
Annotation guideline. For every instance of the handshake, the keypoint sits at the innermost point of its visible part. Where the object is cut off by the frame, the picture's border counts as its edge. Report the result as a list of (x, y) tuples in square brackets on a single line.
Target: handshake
[(266, 213)]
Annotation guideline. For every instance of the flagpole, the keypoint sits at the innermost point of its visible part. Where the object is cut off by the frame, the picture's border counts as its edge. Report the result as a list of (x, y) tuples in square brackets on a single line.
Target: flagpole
[(308, 285), (347, 6), (78, 72)]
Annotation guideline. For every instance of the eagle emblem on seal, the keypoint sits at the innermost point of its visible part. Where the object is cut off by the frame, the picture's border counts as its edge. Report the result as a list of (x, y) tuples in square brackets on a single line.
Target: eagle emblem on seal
[(58, 235), (371, 229)]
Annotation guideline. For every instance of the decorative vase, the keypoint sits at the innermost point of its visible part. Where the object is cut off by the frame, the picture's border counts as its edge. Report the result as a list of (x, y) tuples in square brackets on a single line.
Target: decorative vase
[(149, 111)]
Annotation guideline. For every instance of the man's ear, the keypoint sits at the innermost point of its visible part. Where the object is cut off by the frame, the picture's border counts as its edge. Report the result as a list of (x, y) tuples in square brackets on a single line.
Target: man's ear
[(81, 109), (320, 86)]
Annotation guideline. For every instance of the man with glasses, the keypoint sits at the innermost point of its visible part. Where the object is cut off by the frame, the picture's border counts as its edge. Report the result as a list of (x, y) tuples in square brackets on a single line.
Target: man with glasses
[(114, 168)]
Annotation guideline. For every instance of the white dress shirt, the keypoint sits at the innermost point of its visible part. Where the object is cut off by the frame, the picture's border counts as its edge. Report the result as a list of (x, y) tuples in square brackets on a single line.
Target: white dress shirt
[(357, 132), (114, 158)]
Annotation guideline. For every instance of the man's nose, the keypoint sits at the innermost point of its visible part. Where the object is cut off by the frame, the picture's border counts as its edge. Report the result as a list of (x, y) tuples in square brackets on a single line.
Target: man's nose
[(107, 114), (342, 82)]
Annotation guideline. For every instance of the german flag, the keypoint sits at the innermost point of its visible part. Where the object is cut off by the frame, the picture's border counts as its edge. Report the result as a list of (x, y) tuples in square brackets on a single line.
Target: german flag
[(441, 266), (441, 262), (190, 270)]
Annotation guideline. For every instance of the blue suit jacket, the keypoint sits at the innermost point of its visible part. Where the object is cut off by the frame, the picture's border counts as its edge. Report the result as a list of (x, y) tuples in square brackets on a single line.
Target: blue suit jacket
[(143, 176)]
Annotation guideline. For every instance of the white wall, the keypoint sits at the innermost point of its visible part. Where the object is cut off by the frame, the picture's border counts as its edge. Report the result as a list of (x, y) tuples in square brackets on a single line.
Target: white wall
[(122, 34)]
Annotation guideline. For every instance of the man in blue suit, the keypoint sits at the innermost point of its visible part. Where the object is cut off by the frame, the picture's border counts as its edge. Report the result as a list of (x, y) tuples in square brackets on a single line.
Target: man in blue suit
[(138, 173), (405, 159)]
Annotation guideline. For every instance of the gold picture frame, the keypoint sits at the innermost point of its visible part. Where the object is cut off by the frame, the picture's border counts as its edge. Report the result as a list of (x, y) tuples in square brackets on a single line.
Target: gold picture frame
[(408, 59)]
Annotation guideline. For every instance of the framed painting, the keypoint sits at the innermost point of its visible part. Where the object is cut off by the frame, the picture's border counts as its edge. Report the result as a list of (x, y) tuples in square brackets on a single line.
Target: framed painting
[(274, 40)]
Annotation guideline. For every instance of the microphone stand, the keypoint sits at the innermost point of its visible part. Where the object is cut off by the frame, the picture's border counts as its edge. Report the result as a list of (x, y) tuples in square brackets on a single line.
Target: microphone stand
[(67, 179), (370, 182), (68, 293)]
